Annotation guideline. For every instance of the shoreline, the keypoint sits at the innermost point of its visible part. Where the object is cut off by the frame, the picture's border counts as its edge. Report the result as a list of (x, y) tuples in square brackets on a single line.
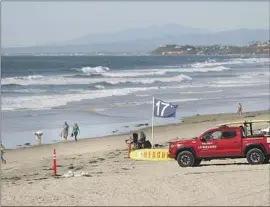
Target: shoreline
[(183, 121)]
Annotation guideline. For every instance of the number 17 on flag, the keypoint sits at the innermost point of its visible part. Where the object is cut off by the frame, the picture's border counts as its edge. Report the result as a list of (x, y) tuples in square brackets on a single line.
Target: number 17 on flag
[(163, 109)]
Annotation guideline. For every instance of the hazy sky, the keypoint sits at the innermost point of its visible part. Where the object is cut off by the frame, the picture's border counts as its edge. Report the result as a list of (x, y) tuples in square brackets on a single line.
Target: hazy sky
[(35, 23)]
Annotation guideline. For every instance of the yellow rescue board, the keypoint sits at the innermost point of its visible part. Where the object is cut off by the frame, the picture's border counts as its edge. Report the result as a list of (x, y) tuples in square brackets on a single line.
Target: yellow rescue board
[(245, 121), (150, 154)]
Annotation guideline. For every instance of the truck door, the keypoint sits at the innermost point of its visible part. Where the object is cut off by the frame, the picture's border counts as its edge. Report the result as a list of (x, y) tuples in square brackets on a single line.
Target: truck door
[(230, 143), (207, 146)]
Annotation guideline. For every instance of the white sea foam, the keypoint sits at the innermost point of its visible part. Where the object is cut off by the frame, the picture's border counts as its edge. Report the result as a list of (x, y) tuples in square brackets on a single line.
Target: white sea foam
[(136, 103), (93, 70), (263, 94), (159, 72), (231, 85), (243, 79), (184, 92), (249, 60), (151, 80), (31, 77), (142, 95), (30, 90), (181, 70), (254, 75), (233, 61), (134, 73), (50, 101), (182, 86), (207, 63), (67, 80), (196, 69), (99, 86), (19, 79), (201, 92), (106, 72)]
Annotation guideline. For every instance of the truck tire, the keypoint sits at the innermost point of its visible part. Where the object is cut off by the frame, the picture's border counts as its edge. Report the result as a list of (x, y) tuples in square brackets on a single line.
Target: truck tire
[(197, 162), (255, 156), (266, 159), (185, 159)]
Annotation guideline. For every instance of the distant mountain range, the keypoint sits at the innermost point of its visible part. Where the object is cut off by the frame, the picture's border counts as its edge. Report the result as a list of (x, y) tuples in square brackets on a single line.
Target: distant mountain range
[(144, 40)]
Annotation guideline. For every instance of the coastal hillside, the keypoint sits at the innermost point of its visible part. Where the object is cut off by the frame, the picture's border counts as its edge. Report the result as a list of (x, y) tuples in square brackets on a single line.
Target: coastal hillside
[(258, 47)]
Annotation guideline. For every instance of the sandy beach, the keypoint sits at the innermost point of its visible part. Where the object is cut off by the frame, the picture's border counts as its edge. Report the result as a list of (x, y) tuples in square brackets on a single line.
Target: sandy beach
[(114, 179)]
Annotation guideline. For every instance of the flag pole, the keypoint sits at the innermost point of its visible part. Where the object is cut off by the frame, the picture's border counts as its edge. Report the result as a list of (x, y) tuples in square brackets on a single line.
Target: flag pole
[(153, 122)]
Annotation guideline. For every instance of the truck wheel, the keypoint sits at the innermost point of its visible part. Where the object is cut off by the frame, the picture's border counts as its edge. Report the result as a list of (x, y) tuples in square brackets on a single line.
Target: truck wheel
[(255, 156), (266, 160), (185, 159), (197, 162)]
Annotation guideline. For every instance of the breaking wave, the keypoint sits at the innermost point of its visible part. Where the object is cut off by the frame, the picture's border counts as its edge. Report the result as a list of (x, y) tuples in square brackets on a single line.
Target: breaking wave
[(68, 80), (56, 100), (93, 70), (233, 61)]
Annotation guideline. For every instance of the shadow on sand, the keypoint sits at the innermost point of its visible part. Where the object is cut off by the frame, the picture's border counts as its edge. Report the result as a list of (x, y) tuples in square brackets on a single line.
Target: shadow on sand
[(223, 164)]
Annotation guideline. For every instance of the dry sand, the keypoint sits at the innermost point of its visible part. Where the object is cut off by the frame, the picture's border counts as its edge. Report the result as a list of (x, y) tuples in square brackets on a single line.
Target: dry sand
[(116, 180)]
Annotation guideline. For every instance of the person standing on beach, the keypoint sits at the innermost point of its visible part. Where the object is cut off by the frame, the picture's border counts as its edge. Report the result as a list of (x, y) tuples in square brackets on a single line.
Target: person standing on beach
[(65, 131), (2, 152), (75, 131), (142, 139), (240, 109), (135, 140)]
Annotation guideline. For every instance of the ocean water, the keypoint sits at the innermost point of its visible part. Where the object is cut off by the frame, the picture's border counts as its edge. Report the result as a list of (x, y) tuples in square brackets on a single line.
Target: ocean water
[(103, 94)]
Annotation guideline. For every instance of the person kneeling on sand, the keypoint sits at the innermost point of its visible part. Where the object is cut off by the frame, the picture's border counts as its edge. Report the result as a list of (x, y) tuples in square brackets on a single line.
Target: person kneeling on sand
[(2, 152), (75, 131), (147, 145), (38, 135), (143, 143)]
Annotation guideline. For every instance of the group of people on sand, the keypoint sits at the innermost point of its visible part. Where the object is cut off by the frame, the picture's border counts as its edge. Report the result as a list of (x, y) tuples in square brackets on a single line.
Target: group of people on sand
[(139, 143), (65, 131)]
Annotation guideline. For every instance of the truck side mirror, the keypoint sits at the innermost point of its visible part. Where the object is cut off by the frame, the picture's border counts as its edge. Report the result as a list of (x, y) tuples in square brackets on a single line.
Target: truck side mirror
[(203, 139)]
